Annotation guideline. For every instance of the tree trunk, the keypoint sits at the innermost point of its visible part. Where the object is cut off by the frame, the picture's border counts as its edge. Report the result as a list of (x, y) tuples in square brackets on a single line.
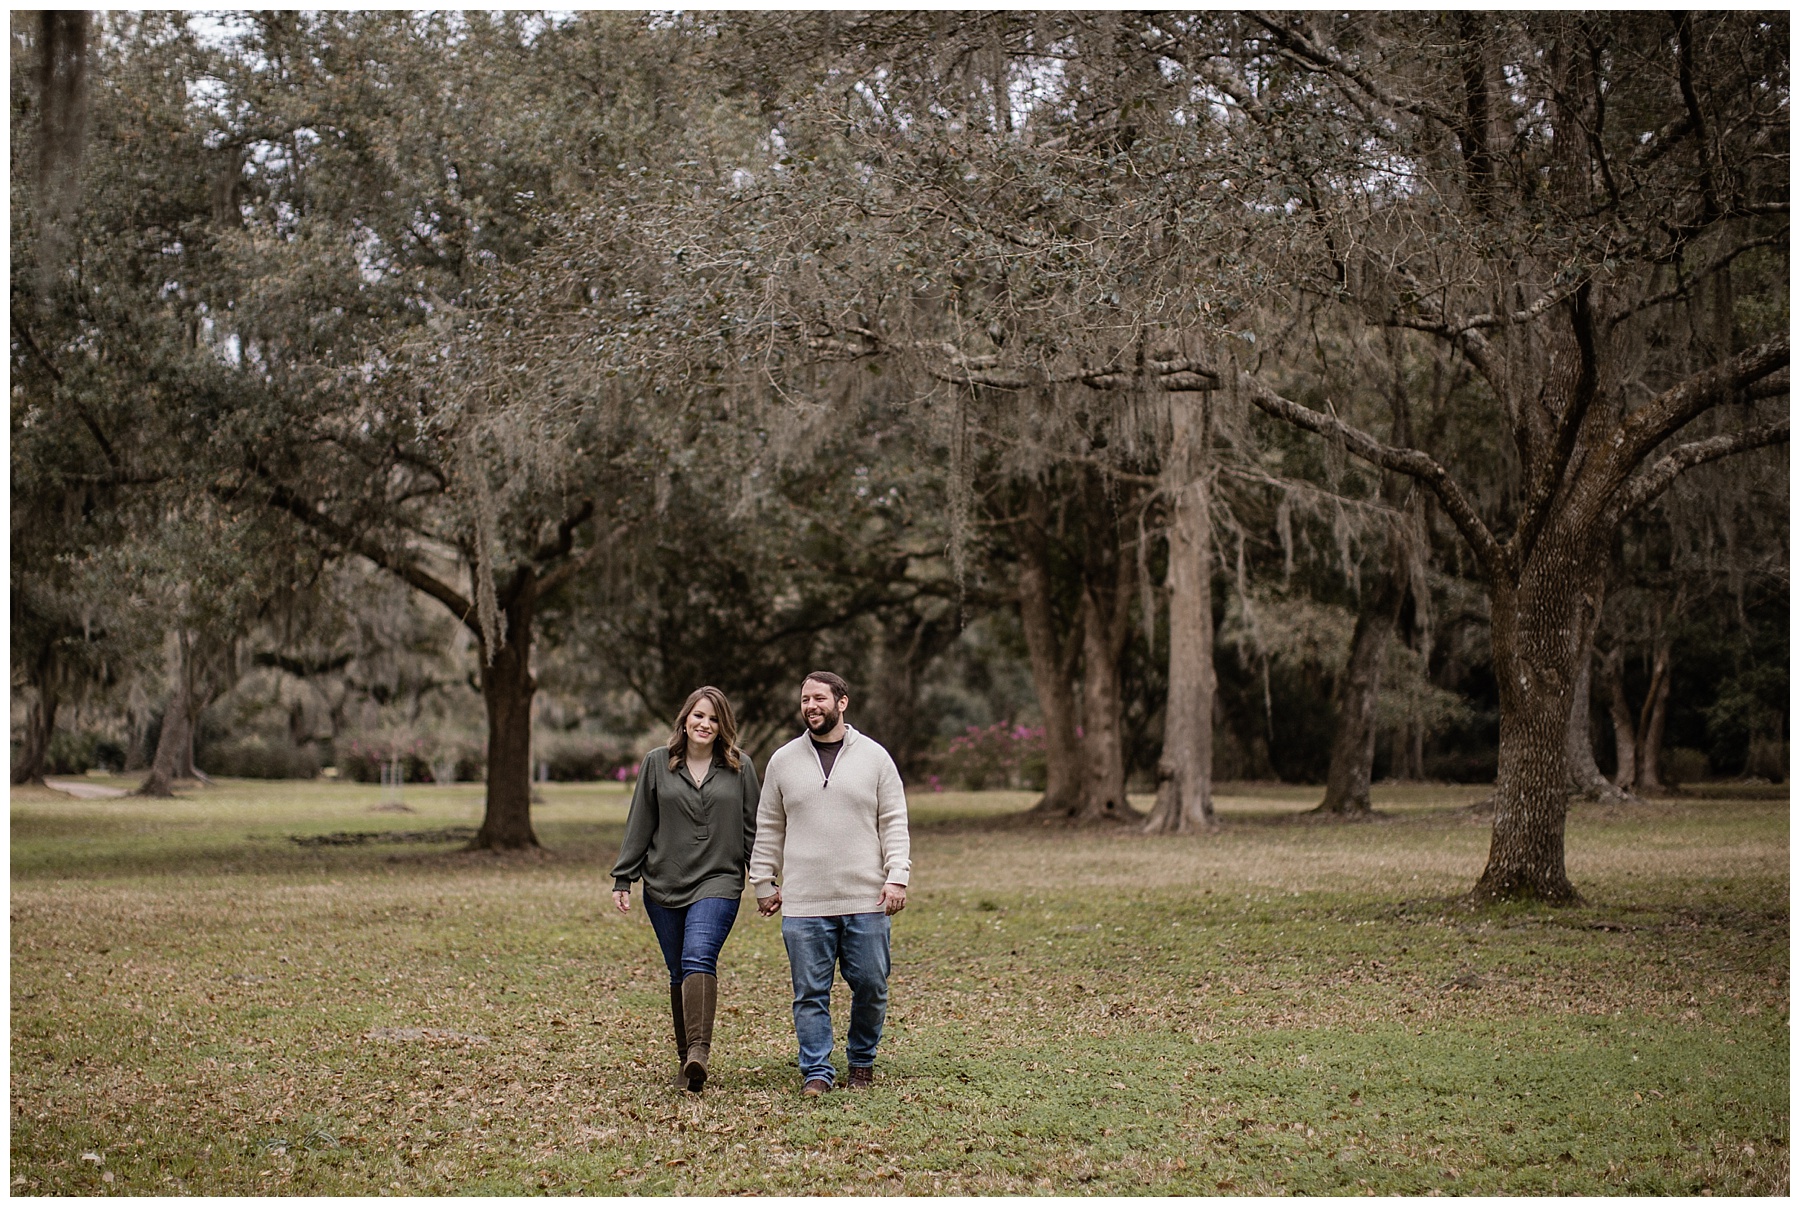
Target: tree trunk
[(174, 745), (1586, 776), (1649, 779), (890, 710), (1102, 712), (1108, 583), (507, 687), (1624, 729), (1358, 691), (1049, 661), (1184, 770), (1537, 639), (40, 724)]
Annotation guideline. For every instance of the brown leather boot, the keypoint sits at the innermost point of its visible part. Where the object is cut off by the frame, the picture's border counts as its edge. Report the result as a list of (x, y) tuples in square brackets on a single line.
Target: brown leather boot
[(680, 1036), (699, 999)]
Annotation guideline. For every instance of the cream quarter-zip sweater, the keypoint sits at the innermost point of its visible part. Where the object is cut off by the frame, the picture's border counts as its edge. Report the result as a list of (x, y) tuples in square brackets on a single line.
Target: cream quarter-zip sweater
[(830, 841)]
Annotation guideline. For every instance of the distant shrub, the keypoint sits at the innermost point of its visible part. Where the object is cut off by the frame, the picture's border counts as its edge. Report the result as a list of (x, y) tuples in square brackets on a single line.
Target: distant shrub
[(1684, 765), (995, 756), (1463, 766), (260, 758), (75, 753), (1768, 759), (573, 757)]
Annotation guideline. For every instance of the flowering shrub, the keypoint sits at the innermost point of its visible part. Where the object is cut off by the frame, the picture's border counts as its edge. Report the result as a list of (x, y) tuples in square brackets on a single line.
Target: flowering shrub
[(997, 756)]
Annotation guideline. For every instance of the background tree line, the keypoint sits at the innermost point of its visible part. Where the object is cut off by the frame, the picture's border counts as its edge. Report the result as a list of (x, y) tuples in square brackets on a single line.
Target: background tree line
[(1131, 400)]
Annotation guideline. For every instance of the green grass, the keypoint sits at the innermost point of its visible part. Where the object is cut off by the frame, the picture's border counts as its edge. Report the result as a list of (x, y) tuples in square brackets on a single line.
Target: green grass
[(1282, 1006)]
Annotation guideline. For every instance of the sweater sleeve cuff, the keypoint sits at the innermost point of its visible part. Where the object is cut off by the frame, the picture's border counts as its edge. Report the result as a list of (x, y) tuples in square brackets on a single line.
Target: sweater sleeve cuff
[(621, 885)]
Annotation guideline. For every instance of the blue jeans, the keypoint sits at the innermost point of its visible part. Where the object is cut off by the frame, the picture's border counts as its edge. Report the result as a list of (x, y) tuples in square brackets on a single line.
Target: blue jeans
[(816, 947), (691, 935)]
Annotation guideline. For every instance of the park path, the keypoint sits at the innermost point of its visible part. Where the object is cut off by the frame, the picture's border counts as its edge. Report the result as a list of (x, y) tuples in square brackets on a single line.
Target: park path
[(83, 791)]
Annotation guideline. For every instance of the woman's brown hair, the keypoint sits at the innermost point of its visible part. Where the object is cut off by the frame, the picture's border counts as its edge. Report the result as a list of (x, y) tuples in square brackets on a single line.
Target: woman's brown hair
[(727, 736)]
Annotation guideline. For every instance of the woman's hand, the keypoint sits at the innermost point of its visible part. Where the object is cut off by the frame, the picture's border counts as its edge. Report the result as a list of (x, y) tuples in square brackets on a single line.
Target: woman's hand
[(622, 899)]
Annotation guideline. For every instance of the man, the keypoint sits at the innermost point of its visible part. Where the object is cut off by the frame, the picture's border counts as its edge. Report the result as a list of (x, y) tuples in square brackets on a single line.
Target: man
[(831, 826)]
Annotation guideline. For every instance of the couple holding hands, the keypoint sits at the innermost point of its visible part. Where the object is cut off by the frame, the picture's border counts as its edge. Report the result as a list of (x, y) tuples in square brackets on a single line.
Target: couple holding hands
[(829, 823)]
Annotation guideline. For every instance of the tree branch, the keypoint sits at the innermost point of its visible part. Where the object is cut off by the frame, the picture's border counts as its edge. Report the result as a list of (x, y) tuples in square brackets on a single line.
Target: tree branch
[(1327, 60), (87, 419), (1409, 461), (565, 534), (1678, 460), (1669, 411), (1552, 462), (1681, 291), (308, 513), (569, 569)]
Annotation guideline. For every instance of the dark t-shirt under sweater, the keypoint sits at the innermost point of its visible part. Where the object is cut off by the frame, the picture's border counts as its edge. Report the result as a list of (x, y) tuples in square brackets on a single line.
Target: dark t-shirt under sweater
[(828, 752)]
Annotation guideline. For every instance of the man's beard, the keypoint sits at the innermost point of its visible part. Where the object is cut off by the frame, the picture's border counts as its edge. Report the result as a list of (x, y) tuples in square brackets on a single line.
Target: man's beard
[(826, 723)]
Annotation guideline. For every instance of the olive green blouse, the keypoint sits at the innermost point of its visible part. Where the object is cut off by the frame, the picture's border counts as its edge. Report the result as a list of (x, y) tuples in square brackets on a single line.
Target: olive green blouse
[(685, 840)]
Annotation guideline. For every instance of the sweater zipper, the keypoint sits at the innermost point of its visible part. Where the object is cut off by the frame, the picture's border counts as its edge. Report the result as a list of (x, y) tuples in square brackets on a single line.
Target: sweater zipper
[(825, 775)]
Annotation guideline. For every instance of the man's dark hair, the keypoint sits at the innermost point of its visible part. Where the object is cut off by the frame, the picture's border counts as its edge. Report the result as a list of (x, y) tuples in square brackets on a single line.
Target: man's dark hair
[(839, 689)]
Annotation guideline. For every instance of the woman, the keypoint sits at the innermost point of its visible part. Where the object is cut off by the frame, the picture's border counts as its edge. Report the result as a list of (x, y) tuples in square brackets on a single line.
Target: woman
[(688, 837)]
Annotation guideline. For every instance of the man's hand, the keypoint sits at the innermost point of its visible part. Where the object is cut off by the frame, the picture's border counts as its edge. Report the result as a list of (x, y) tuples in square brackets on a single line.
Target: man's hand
[(768, 905), (622, 899), (893, 898)]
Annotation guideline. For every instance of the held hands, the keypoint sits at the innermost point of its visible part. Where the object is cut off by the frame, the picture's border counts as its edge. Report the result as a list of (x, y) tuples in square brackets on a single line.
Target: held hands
[(893, 900), (622, 899)]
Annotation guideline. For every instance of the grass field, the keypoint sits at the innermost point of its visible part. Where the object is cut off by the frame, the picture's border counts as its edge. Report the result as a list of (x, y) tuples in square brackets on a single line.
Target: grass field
[(201, 1004)]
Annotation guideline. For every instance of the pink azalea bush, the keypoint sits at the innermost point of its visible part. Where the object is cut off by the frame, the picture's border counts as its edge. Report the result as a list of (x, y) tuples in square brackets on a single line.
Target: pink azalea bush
[(1001, 755)]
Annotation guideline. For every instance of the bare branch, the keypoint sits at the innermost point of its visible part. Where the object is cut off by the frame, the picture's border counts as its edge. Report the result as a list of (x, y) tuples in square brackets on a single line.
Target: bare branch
[(565, 534), (1719, 264), (1328, 60), (1669, 411), (313, 516), (1409, 461), (1678, 460), (569, 569)]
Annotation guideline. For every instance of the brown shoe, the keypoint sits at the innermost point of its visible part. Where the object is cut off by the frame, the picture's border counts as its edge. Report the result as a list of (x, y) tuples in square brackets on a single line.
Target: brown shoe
[(861, 1077), (815, 1087)]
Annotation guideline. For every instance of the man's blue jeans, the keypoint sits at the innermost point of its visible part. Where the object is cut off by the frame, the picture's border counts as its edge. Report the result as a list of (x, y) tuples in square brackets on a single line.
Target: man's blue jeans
[(817, 947), (691, 935)]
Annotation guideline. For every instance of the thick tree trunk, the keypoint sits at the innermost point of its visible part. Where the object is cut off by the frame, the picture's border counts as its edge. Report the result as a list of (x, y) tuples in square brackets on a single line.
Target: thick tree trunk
[(1184, 770), (1537, 636), (40, 724), (892, 715), (1653, 720), (1624, 728), (1050, 675), (1102, 712), (891, 709), (1358, 691), (174, 745), (507, 687)]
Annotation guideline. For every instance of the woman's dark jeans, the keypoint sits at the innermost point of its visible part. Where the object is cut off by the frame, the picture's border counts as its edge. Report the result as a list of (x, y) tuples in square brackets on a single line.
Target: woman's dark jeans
[(691, 935)]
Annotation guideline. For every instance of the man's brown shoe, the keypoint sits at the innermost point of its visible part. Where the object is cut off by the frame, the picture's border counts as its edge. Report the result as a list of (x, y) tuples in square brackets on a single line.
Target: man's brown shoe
[(861, 1078), (815, 1087)]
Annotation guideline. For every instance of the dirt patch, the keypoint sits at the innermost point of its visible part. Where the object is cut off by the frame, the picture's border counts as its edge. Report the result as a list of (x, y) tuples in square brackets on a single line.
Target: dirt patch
[(356, 838)]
